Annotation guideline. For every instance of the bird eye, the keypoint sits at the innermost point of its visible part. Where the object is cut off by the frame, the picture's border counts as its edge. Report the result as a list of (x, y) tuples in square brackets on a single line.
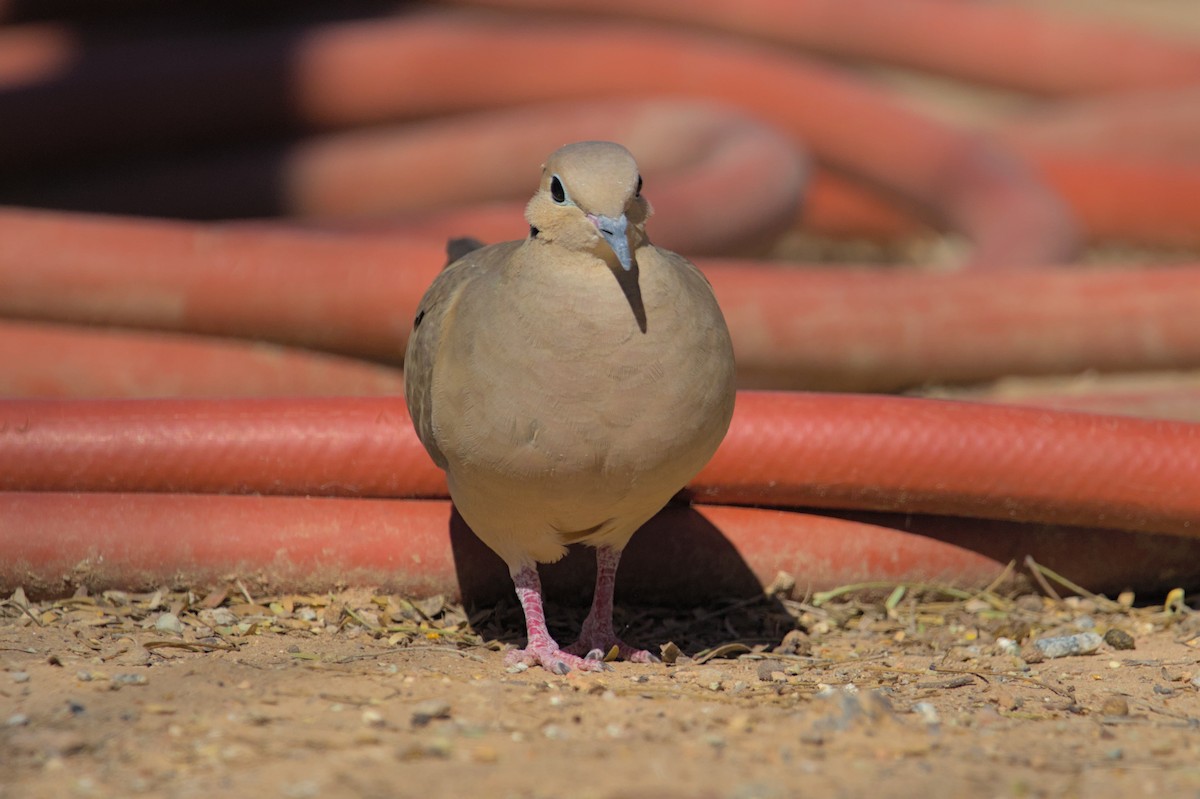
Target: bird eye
[(557, 192), (638, 193)]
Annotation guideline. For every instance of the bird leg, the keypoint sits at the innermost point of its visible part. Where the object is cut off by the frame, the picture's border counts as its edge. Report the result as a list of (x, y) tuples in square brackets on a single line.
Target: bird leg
[(541, 649), (597, 632)]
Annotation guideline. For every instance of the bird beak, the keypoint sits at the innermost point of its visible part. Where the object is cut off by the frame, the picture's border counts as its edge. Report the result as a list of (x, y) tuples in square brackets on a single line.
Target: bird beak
[(613, 229)]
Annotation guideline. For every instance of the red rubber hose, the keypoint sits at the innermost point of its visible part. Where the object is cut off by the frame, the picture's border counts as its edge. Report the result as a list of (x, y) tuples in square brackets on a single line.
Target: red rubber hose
[(1128, 200), (1059, 54), (842, 207), (795, 450), (61, 361), (54, 543), (962, 459), (324, 446), (737, 196), (345, 74), (872, 330), (792, 328), (974, 183), (1163, 395), (321, 290), (1154, 124), (722, 182)]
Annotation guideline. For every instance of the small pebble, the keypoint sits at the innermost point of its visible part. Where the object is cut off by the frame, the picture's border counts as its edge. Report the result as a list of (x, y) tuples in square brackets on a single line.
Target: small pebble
[(427, 711), (1008, 646), (20, 676), (927, 713), (812, 737), (18, 599), (796, 642), (17, 720), (129, 679), (423, 750), (84, 676), (1031, 654), (372, 718), (1119, 639), (1006, 700), (768, 669), (169, 624), (669, 652), (1066, 645), (136, 656), (877, 705), (1115, 706), (1031, 603)]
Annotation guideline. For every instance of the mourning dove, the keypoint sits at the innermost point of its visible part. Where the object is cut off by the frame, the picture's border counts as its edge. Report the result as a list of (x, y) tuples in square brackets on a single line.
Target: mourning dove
[(570, 384)]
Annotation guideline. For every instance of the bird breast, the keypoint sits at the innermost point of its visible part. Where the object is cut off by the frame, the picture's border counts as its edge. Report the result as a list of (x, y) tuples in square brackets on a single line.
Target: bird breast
[(559, 382)]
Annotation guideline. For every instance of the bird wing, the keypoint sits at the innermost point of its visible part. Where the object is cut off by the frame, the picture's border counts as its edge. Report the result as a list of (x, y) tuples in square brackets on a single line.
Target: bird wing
[(435, 312)]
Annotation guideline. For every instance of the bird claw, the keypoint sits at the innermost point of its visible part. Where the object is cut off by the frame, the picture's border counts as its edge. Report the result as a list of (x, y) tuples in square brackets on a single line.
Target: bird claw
[(556, 661)]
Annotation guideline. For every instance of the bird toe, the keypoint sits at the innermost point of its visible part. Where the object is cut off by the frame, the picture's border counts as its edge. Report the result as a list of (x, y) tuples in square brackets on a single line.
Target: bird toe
[(555, 660)]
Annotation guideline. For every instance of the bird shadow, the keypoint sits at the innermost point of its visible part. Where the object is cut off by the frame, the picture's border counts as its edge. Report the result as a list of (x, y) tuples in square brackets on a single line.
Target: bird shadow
[(680, 580)]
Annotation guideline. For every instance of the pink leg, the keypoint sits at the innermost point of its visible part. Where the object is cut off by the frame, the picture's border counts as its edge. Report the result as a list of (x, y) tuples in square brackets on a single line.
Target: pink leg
[(597, 632), (542, 649)]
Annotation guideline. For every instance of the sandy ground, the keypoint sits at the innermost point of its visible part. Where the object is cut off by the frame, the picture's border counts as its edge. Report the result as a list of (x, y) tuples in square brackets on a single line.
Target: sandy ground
[(182, 695)]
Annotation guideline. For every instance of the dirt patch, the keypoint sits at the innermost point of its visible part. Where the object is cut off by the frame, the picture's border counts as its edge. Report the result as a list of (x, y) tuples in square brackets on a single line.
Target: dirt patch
[(353, 694)]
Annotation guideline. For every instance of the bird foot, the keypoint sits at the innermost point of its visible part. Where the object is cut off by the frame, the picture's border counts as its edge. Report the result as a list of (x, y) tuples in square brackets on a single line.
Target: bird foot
[(555, 660), (605, 643)]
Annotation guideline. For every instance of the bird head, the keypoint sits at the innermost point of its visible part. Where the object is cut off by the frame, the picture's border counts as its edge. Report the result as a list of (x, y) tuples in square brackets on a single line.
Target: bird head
[(590, 199)]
